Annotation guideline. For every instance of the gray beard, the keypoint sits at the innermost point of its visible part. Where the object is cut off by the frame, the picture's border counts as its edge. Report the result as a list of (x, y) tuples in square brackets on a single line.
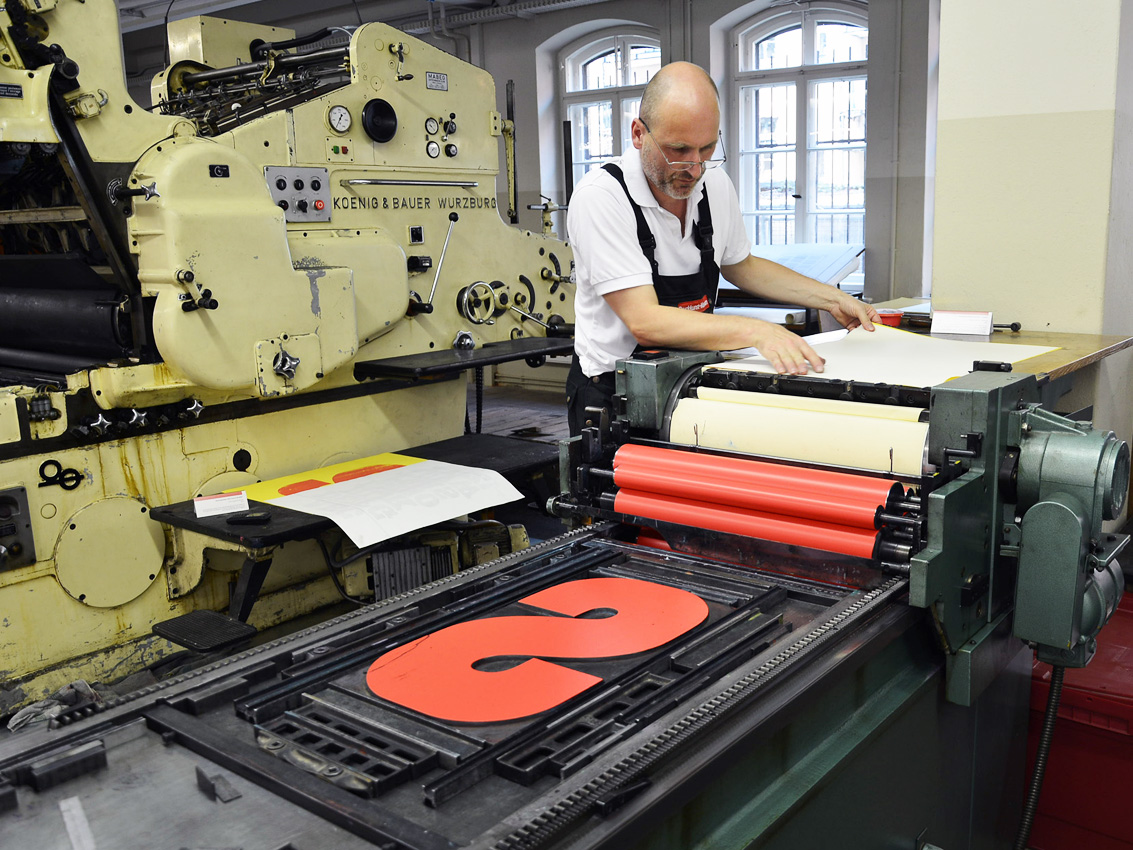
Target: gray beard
[(657, 177)]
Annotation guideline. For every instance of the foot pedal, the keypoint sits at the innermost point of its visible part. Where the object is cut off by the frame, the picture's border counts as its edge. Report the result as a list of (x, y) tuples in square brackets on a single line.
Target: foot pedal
[(204, 631)]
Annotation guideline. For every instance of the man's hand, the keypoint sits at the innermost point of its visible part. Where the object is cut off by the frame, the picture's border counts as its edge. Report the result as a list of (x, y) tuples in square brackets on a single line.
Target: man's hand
[(849, 312), (788, 353), (655, 326), (778, 283)]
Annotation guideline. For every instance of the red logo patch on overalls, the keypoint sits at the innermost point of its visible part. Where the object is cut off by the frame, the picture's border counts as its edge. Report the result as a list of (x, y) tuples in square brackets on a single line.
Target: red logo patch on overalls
[(700, 305)]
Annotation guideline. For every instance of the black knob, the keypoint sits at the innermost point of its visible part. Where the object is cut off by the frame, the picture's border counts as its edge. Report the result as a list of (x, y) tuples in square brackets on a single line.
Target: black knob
[(316, 184), (281, 184), (450, 149), (301, 205), (283, 205), (450, 127), (298, 184)]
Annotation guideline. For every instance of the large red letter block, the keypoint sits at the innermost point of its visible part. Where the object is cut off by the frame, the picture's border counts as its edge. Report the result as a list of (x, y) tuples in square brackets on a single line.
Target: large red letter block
[(434, 675)]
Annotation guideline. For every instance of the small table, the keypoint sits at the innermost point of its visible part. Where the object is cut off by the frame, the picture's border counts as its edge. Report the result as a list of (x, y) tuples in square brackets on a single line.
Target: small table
[(1055, 369), (529, 466)]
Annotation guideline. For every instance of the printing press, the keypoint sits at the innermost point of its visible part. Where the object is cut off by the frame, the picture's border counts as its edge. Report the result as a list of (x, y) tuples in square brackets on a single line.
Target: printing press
[(731, 649), (291, 260), (740, 643)]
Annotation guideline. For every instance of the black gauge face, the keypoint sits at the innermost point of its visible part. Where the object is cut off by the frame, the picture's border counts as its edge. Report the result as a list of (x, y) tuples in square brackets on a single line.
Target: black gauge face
[(432, 125), (379, 120)]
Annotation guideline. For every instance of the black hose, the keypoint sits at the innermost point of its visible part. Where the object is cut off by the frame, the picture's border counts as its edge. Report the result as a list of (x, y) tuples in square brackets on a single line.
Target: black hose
[(287, 62), (1032, 804), (261, 49)]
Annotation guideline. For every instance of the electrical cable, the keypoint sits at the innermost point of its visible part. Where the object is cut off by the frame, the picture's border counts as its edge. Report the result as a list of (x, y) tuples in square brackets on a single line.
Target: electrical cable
[(358, 12), (479, 398), (167, 8), (1032, 804), (333, 565)]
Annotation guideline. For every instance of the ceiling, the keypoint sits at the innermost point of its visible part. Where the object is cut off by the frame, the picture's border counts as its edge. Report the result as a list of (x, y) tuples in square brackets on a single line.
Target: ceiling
[(136, 15)]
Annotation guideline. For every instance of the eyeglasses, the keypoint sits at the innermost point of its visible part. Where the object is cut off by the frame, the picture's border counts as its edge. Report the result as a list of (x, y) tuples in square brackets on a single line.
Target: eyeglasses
[(688, 165)]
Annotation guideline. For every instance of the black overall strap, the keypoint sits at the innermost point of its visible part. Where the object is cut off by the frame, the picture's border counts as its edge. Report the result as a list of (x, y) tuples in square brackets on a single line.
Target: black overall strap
[(703, 239), (702, 236), (645, 236)]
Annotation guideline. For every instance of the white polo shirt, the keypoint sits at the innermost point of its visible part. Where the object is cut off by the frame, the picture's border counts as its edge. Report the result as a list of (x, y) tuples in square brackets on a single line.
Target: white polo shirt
[(608, 257)]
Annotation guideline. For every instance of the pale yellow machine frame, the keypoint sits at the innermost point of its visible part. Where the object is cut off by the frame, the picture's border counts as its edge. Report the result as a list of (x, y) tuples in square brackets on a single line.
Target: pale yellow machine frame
[(250, 300)]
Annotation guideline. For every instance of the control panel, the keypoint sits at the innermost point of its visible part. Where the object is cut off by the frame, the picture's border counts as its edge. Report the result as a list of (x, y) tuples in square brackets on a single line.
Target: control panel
[(303, 193), (443, 128)]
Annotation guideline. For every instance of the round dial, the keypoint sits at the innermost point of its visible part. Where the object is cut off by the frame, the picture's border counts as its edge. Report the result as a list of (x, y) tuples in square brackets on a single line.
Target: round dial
[(433, 149), (338, 117), (432, 125)]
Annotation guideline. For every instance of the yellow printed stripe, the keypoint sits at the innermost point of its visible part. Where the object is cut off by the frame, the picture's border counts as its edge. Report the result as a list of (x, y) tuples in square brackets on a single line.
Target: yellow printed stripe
[(275, 488)]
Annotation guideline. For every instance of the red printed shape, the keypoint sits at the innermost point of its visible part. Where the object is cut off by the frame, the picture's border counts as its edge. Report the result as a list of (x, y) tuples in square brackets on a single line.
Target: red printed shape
[(363, 471), (434, 675), (301, 486)]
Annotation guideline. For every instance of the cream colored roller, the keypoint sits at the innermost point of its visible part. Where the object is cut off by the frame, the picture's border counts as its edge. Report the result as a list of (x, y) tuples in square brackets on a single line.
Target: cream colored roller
[(816, 405), (878, 443)]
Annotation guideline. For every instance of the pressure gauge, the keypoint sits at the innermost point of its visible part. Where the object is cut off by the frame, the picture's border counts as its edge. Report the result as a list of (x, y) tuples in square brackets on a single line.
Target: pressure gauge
[(431, 127), (338, 117), (433, 149)]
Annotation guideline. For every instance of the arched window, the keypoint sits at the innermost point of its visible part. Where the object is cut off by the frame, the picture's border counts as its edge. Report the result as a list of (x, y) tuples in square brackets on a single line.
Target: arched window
[(800, 94), (602, 82)]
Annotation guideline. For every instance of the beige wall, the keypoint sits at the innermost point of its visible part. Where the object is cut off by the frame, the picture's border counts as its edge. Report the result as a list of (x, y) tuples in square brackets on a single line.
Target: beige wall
[(1027, 106), (1033, 174)]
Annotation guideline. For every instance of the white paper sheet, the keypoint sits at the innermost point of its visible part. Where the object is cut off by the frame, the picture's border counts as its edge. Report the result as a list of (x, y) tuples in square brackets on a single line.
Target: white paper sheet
[(377, 507), (892, 356)]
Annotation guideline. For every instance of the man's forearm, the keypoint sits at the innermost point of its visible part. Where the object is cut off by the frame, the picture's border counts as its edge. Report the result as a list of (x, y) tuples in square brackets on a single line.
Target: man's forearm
[(672, 327), (780, 284)]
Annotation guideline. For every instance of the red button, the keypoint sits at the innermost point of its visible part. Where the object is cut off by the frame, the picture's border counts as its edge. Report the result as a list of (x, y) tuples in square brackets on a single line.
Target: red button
[(319, 205)]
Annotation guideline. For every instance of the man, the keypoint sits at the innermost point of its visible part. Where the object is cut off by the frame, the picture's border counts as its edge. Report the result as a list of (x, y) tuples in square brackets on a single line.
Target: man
[(653, 232)]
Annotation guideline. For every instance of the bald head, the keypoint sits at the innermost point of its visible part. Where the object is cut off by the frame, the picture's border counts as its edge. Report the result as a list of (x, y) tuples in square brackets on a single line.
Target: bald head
[(679, 87)]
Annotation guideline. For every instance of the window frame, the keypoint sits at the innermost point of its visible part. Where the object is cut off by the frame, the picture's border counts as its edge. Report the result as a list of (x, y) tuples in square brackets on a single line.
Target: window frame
[(758, 27), (574, 56)]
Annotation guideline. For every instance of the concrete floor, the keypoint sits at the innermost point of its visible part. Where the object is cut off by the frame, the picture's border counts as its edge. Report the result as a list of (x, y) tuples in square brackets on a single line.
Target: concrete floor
[(515, 412)]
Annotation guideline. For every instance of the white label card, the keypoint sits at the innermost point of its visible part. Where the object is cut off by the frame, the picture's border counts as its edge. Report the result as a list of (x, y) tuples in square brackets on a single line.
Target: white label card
[(221, 503), (961, 322)]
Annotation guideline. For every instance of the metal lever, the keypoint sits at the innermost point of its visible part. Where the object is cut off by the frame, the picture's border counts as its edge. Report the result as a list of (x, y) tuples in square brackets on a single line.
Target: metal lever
[(400, 51), (453, 218), (205, 302), (148, 192), (529, 316), (555, 324)]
